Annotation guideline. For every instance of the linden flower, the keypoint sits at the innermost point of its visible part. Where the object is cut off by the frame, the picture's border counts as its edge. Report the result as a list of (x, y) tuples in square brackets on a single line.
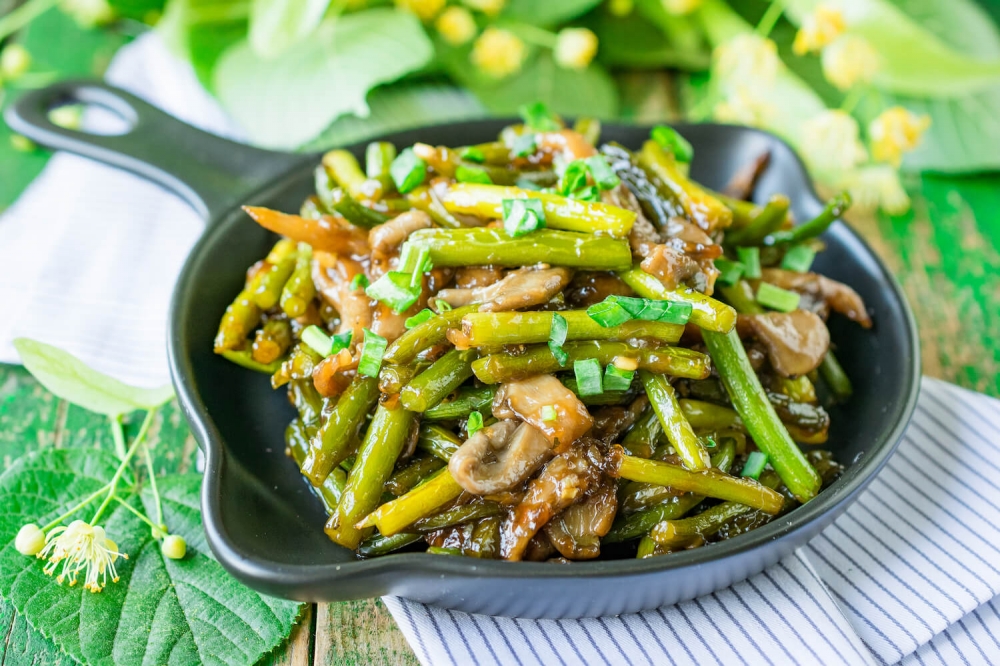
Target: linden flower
[(894, 132), (831, 141), (575, 48), (14, 61), (424, 9), (81, 547), (680, 7), (488, 7), (818, 30), (748, 58), (456, 25), (849, 60), (742, 107), (498, 52), (877, 186)]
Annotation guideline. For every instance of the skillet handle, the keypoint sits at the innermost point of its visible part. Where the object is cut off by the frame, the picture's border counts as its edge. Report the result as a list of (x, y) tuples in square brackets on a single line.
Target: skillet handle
[(211, 173)]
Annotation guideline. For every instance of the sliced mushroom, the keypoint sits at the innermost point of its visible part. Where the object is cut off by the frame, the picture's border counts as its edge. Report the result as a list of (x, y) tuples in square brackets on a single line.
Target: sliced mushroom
[(576, 532), (563, 481), (741, 185), (332, 274), (836, 295), (499, 457), (522, 288), (612, 421), (328, 233), (796, 341), (671, 266), (386, 238), (644, 236), (588, 288), (527, 399), (472, 277)]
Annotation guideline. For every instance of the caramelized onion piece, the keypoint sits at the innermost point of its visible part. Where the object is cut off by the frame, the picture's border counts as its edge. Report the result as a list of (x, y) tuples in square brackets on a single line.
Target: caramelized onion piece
[(526, 400), (499, 457), (328, 233), (796, 341), (576, 532), (836, 295)]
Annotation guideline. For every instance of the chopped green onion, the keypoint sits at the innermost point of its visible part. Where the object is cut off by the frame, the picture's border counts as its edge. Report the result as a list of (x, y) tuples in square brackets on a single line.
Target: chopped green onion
[(573, 178), (777, 298), (524, 145), (557, 337), (341, 341), (527, 184), (590, 193), (616, 379), (549, 413), (798, 258), (473, 154), (538, 118), (609, 312), (418, 318), (464, 174), (730, 272), (522, 216), (602, 173), (647, 309), (670, 140), (474, 424), (442, 305), (314, 337), (561, 356), (710, 443), (407, 171), (359, 281), (750, 258), (754, 465), (371, 354), (588, 376), (395, 289)]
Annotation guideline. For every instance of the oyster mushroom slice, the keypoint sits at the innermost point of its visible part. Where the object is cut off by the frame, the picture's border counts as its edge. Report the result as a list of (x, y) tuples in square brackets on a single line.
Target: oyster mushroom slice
[(526, 399), (499, 457), (796, 342), (523, 288)]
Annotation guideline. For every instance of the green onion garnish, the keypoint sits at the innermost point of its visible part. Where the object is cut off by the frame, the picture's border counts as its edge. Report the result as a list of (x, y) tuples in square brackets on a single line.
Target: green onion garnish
[(395, 289), (602, 173), (474, 424), (464, 174), (528, 184), (798, 258), (557, 337), (574, 177), (590, 193), (777, 298), (616, 379), (342, 340), (560, 355), (754, 465), (371, 354), (473, 154), (730, 272), (359, 281), (588, 376), (670, 140), (522, 216), (750, 258), (314, 337), (442, 305), (418, 318), (549, 413), (709, 442), (538, 117), (609, 312), (524, 145), (647, 309), (407, 171)]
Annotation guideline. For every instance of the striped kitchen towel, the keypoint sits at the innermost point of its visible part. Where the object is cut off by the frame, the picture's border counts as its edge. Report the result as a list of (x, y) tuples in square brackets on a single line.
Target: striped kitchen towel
[(909, 574)]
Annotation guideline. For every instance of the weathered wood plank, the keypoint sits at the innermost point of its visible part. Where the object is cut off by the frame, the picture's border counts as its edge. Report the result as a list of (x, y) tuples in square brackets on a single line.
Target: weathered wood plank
[(359, 633), (298, 650)]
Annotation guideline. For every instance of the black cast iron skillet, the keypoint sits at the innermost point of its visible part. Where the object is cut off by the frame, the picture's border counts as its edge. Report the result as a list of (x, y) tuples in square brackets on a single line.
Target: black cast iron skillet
[(261, 519)]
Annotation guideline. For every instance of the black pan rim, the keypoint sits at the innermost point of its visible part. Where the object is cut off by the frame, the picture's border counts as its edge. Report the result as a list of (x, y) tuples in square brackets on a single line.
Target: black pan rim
[(269, 574)]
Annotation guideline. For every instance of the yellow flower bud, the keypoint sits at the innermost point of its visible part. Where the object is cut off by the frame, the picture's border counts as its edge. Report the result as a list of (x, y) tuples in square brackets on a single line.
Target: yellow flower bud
[(747, 59), (14, 61), (849, 60), (575, 48), (680, 7), (621, 7), (88, 13), (498, 52), (876, 186), (831, 143), (894, 132), (174, 547), (30, 539), (488, 7), (21, 143), (424, 9), (819, 29), (456, 25)]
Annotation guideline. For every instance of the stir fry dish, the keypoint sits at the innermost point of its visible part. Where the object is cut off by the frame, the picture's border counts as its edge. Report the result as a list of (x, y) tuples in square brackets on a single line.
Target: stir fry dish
[(544, 348)]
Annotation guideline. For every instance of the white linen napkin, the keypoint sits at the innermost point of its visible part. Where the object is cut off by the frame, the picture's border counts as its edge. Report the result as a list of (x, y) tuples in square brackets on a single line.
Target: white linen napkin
[(909, 574)]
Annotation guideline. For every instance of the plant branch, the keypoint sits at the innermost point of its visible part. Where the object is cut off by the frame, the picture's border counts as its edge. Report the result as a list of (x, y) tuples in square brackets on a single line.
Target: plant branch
[(770, 18), (23, 15), (146, 423)]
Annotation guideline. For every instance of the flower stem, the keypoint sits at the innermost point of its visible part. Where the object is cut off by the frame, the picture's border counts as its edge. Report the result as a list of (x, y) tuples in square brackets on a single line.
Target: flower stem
[(851, 100), (118, 435), (84, 502), (533, 34), (146, 423), (770, 18), (152, 485), (138, 513), (23, 15)]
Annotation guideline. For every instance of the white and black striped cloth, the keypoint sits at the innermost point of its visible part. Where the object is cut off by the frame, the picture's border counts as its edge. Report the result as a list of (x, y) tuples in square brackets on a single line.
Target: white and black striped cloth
[(909, 574)]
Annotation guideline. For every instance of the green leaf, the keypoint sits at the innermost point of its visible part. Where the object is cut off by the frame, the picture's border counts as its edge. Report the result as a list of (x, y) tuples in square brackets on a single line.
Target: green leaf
[(200, 31), (547, 13), (289, 100), (161, 611), (24, 645), (915, 61), (71, 379), (276, 25)]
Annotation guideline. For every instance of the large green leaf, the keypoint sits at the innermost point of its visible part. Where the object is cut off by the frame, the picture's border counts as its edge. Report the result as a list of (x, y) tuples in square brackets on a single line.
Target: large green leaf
[(275, 25), (161, 611), (71, 379), (914, 60), (202, 30), (287, 101), (547, 12), (24, 645)]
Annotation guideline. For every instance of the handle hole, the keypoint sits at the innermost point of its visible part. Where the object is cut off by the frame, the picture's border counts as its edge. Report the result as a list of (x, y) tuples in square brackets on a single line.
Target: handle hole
[(92, 118)]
